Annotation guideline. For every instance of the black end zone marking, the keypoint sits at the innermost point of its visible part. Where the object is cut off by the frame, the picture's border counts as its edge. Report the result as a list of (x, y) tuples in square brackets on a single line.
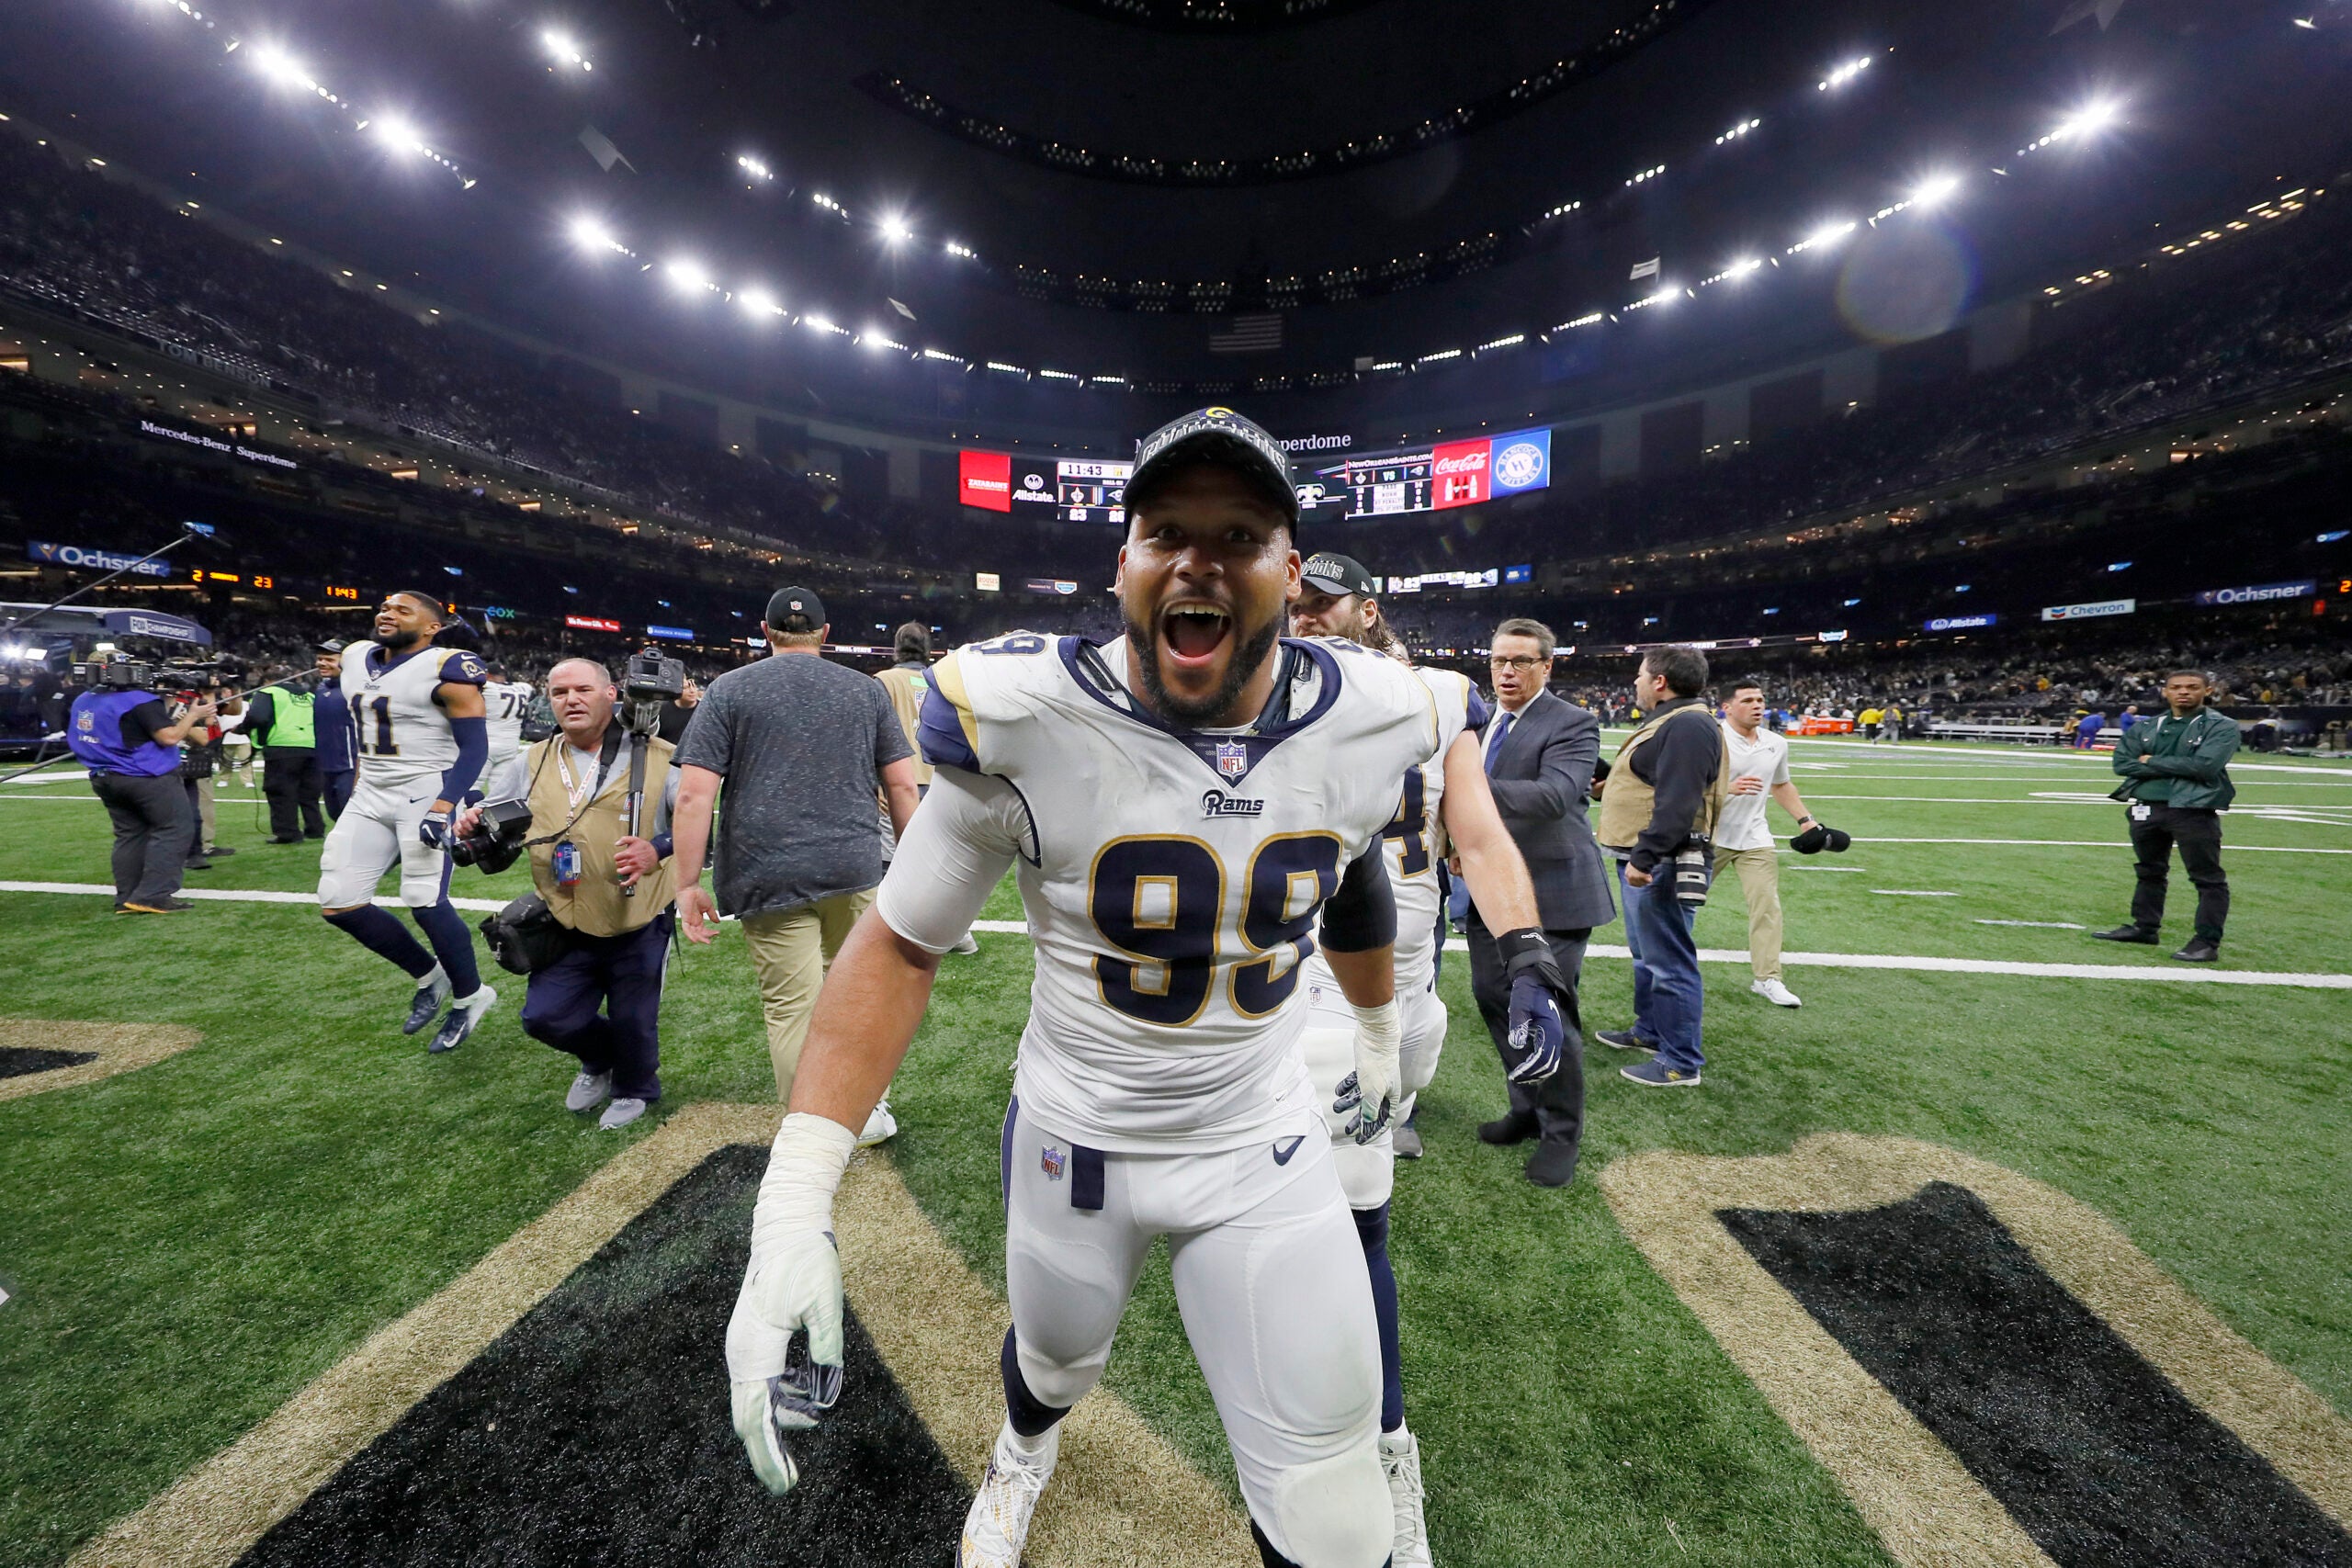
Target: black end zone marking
[(595, 1430), (21, 1061), (2093, 1451)]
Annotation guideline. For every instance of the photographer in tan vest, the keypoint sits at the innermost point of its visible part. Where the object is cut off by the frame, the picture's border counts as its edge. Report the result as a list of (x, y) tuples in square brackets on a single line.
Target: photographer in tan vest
[(1657, 819), (611, 891)]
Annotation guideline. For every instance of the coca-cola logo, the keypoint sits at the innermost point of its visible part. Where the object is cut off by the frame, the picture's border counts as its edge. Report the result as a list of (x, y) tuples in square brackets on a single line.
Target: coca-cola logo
[(1466, 463)]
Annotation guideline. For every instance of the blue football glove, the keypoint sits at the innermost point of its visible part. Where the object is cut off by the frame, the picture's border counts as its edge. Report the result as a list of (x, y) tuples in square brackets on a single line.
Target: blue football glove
[(1541, 1004), (433, 828)]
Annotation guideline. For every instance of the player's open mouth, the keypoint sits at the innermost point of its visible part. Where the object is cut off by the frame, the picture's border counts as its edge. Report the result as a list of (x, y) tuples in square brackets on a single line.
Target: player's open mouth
[(1190, 634)]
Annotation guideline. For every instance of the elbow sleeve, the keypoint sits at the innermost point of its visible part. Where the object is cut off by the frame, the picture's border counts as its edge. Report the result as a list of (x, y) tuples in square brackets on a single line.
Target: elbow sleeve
[(1362, 914)]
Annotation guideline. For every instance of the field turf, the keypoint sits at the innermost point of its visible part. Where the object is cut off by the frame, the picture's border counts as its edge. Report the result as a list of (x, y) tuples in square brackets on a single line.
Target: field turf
[(186, 1245)]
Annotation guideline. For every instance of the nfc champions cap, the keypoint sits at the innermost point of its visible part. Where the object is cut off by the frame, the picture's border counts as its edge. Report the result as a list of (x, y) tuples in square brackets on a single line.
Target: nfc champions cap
[(787, 607), (1220, 437), (1337, 575)]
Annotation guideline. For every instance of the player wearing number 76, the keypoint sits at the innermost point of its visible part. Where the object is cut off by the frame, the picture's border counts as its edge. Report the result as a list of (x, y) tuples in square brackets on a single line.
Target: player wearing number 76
[(1177, 804), (416, 711)]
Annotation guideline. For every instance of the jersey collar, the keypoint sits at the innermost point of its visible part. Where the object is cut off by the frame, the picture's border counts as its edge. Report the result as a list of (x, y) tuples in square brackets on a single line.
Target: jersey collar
[(1230, 757)]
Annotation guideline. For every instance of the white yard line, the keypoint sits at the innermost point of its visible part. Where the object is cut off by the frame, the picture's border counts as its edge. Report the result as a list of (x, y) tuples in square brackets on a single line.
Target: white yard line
[(2043, 925), (1935, 965), (2105, 844), (1598, 950), (233, 894), (2042, 757), (1911, 893)]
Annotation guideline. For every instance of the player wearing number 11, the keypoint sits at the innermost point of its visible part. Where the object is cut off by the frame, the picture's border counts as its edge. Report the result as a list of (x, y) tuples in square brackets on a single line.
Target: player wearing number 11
[(1178, 806), (416, 711)]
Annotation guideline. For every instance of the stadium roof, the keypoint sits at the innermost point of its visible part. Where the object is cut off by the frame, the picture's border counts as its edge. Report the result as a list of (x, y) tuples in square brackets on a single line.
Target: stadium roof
[(1147, 190)]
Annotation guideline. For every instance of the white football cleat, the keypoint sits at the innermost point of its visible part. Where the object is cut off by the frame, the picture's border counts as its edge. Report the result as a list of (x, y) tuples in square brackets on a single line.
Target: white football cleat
[(997, 1524), (881, 1127), (1772, 991), (620, 1113), (1401, 1461), (465, 1016), (588, 1091), (966, 945)]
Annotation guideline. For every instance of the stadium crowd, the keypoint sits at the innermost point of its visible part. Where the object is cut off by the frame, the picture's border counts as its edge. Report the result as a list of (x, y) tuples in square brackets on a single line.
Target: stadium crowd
[(2277, 315)]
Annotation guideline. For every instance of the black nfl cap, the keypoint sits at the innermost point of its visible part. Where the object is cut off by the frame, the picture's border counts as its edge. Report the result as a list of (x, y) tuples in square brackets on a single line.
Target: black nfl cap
[(333, 645), (786, 605), (1220, 437), (1338, 575)]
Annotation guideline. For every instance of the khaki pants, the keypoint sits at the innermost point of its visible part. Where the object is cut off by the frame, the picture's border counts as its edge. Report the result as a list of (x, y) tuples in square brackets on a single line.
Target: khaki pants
[(204, 812), (790, 951), (1759, 885)]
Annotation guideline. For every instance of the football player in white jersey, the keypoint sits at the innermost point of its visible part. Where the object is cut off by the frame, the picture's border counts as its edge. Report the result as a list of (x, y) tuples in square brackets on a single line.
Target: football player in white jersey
[(418, 713), (505, 704), (1447, 796), (1178, 804)]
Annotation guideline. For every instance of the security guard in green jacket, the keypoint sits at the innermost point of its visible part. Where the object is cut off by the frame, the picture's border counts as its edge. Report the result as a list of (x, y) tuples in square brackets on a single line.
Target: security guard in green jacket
[(281, 720), (2175, 776)]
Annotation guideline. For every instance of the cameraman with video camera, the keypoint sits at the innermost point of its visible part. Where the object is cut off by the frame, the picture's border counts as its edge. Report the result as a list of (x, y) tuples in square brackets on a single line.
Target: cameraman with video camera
[(130, 738), (592, 804)]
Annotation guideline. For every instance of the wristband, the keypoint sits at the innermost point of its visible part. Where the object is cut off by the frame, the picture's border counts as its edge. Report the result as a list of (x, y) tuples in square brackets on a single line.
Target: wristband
[(804, 1171), (1526, 939), (1383, 1026)]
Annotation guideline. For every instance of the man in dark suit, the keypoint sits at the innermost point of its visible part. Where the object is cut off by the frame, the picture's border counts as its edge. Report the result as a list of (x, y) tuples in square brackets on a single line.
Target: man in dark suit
[(1540, 755)]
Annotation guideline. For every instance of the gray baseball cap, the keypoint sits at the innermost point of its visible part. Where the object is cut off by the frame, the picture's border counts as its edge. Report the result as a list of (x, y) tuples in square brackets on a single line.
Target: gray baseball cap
[(1219, 437), (1328, 572)]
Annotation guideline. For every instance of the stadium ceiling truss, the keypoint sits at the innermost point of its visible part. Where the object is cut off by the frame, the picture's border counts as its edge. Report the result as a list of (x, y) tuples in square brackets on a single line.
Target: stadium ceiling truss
[(1225, 18), (1376, 147)]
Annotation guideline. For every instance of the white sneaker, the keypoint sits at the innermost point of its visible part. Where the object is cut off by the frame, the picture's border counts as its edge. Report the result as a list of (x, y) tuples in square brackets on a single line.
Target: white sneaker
[(588, 1091), (999, 1522), (1401, 1461), (1772, 991), (464, 1017), (881, 1127), (620, 1113), (966, 944)]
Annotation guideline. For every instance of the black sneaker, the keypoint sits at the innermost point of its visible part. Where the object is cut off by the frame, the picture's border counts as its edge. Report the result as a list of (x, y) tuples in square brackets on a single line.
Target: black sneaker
[(426, 1003), (195, 865), (2201, 950), (154, 905), (2139, 934), (216, 851), (1625, 1040), (1516, 1127), (1552, 1165)]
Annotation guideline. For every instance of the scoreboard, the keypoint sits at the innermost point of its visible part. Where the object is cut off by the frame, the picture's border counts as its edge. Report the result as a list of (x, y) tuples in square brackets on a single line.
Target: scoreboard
[(1435, 477), (1071, 489)]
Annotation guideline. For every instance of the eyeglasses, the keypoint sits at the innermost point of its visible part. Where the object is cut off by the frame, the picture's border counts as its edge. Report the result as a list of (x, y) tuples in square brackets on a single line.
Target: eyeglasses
[(1524, 662)]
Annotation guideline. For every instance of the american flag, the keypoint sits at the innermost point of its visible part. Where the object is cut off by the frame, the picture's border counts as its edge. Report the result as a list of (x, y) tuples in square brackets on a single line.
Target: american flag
[(1247, 334)]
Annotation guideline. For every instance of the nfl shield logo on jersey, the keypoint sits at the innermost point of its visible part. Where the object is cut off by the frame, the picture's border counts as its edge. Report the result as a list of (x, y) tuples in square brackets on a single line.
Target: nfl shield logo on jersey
[(1052, 1162), (1232, 759)]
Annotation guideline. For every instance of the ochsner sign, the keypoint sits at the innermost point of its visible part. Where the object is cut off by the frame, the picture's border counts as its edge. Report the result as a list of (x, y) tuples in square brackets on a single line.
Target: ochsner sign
[(2089, 612), (2255, 594)]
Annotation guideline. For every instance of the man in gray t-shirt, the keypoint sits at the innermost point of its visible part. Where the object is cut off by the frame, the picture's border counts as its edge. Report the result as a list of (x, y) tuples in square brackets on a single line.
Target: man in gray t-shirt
[(801, 745)]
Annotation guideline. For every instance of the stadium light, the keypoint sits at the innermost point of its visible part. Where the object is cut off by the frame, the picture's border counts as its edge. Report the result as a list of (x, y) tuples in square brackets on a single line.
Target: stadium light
[(962, 253), (759, 304), (566, 53), (686, 275), (2091, 117), (1845, 73), (398, 134), (1827, 235), (1935, 190), (753, 167), (896, 230), (280, 67), (590, 235)]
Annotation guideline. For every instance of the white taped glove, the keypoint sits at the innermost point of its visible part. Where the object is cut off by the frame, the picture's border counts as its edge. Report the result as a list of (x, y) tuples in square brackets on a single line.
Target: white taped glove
[(1368, 1096), (793, 1284)]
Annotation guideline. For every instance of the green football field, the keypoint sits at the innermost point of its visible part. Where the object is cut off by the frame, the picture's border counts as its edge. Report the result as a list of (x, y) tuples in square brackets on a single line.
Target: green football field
[(186, 1245)]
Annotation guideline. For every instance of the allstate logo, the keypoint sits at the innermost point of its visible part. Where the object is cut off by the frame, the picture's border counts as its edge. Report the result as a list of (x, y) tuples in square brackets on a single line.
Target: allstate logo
[(1518, 465)]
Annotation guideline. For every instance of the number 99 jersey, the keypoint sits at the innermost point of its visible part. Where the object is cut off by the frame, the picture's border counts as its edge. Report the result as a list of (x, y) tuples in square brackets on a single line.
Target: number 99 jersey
[(403, 736), (1173, 877)]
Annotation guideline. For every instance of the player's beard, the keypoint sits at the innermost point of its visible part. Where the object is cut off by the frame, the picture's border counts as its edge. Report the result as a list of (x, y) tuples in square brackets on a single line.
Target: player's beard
[(1143, 648), (401, 641)]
